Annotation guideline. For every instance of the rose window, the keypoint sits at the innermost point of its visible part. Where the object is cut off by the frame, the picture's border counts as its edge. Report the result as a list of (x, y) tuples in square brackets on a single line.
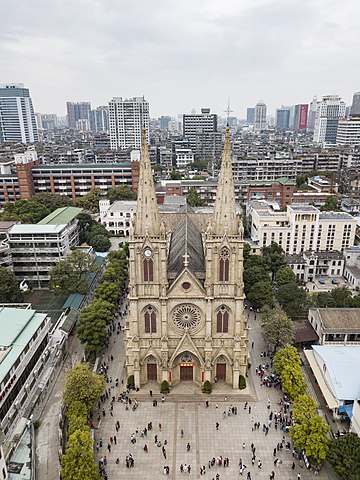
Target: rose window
[(186, 316)]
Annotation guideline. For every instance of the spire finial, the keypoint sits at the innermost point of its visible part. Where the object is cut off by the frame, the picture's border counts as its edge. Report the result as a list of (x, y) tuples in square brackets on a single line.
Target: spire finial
[(228, 111)]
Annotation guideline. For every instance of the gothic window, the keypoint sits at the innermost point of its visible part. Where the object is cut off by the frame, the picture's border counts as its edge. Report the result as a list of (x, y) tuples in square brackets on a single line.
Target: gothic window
[(148, 265), (150, 320), (222, 320), (224, 265)]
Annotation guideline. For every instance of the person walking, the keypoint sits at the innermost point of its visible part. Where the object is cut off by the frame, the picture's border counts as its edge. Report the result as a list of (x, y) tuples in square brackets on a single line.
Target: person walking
[(188, 446), (217, 426), (182, 433)]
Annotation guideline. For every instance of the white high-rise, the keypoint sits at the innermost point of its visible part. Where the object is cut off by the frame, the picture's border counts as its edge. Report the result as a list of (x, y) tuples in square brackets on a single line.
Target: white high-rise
[(329, 110), (17, 117), (260, 116), (127, 117)]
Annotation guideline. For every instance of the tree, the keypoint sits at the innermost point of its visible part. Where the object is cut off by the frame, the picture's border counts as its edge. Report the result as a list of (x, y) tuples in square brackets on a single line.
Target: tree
[(100, 242), (261, 294), (82, 385), (285, 275), (278, 329), (342, 296), (9, 287), (292, 380), (51, 201), (78, 461), (293, 300), (344, 456), (85, 224), (274, 258), (107, 291), (175, 175), (201, 165), (123, 192), (304, 409), (90, 201), (331, 204), (194, 199), (77, 416), (253, 275), (311, 436), (70, 275), (24, 211), (246, 251), (92, 324)]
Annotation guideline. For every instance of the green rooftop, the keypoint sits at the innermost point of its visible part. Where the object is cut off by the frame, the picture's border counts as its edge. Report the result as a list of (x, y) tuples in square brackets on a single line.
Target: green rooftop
[(61, 216), (17, 326)]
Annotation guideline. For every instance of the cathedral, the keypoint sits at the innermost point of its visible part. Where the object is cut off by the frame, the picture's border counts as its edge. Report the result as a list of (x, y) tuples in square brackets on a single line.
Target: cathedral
[(186, 320)]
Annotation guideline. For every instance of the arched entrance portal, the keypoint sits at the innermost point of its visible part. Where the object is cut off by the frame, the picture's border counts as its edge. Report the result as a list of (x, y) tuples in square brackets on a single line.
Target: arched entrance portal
[(186, 368), (220, 371)]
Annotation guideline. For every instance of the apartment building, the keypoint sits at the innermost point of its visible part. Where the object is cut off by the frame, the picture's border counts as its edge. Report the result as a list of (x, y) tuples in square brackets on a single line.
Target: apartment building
[(265, 168), (117, 217), (35, 249), (300, 228), (23, 342), (310, 265), (336, 326)]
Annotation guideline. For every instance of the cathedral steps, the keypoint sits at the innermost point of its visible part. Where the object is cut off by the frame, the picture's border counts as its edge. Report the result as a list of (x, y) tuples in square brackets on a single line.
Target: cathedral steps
[(231, 397)]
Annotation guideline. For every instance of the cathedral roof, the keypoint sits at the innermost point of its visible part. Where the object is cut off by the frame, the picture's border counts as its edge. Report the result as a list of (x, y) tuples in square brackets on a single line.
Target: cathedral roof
[(186, 249)]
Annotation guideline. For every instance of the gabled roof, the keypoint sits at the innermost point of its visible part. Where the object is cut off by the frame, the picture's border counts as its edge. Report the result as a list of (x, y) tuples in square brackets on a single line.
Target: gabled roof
[(61, 216), (186, 248)]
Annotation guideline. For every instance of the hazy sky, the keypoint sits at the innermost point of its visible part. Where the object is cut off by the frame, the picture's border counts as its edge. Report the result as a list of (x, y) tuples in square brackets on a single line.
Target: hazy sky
[(181, 54)]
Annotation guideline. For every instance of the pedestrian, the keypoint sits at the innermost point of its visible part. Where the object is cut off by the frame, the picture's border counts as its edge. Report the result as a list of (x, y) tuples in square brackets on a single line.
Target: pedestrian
[(182, 433), (243, 445), (150, 393), (248, 476), (275, 452), (162, 399), (109, 447), (252, 346), (97, 447), (117, 461), (160, 426), (164, 453), (272, 475), (217, 426), (299, 476), (188, 446), (189, 468), (115, 439), (146, 449), (259, 464), (293, 466)]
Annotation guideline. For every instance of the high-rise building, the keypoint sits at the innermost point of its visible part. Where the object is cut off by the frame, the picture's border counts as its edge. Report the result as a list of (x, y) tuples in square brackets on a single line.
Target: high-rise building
[(348, 132), (201, 131), (77, 111), (17, 117), (282, 118), (312, 115), (99, 119), (260, 116), (164, 122), (250, 115), (127, 117), (355, 106), (301, 116), (329, 111)]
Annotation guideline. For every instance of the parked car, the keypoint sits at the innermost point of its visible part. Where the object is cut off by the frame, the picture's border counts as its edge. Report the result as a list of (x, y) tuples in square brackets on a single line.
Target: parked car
[(334, 281), (322, 281)]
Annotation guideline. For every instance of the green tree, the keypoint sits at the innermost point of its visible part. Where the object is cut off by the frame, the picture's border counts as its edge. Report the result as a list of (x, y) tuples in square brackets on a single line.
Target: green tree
[(77, 416), (70, 275), (85, 224), (342, 296), (331, 204), (100, 242), (253, 275), (285, 275), (344, 456), (90, 201), (194, 199), (78, 461), (92, 324), (51, 201), (311, 436), (324, 300), (274, 258), (9, 287), (25, 211), (82, 385), (107, 291), (304, 409), (123, 192), (293, 382), (201, 165), (277, 328), (293, 300), (254, 261), (175, 175), (261, 294), (287, 355), (246, 251)]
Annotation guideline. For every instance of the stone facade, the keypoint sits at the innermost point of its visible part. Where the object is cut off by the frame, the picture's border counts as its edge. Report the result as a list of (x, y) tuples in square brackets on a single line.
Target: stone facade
[(186, 320)]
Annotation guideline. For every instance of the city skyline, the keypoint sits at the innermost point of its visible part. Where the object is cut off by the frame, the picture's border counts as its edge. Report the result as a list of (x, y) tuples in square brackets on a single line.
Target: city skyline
[(280, 52)]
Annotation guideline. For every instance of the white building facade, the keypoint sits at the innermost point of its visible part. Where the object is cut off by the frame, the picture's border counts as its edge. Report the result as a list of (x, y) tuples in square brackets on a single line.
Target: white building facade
[(260, 116), (329, 110)]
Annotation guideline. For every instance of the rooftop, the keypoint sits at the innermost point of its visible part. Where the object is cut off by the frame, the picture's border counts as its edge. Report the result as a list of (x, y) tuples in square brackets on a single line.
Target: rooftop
[(326, 254), (339, 319), (303, 208), (61, 216), (336, 216), (17, 326), (36, 229)]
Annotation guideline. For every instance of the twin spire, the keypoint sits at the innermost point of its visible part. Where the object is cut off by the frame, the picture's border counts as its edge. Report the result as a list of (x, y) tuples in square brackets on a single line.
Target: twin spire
[(147, 219), (224, 216)]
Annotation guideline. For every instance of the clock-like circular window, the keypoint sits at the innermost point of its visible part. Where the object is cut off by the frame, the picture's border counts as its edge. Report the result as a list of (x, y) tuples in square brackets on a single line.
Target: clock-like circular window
[(186, 285), (186, 316)]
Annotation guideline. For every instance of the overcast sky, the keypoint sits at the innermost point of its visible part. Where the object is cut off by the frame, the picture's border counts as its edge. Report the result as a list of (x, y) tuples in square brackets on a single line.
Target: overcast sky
[(181, 54)]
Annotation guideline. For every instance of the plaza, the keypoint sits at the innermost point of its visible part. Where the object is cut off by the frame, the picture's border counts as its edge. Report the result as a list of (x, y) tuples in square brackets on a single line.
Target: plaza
[(187, 411)]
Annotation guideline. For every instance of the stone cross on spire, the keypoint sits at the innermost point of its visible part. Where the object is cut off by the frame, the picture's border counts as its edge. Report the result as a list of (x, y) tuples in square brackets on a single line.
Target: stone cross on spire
[(147, 219), (224, 217)]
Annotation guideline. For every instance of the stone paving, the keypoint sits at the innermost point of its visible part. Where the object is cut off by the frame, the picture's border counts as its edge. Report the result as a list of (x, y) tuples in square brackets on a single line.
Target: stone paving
[(199, 426)]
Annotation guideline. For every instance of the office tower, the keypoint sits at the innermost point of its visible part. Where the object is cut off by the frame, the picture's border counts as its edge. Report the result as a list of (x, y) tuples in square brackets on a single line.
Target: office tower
[(164, 122), (329, 111), (99, 119), (201, 131), (355, 106), (282, 119), (17, 117), (77, 111), (348, 132), (312, 115), (301, 116), (260, 116), (250, 115), (127, 117)]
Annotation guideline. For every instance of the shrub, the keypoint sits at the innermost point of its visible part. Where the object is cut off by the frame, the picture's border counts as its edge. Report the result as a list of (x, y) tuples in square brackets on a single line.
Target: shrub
[(131, 380), (37, 424), (242, 382), (164, 387), (207, 387)]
